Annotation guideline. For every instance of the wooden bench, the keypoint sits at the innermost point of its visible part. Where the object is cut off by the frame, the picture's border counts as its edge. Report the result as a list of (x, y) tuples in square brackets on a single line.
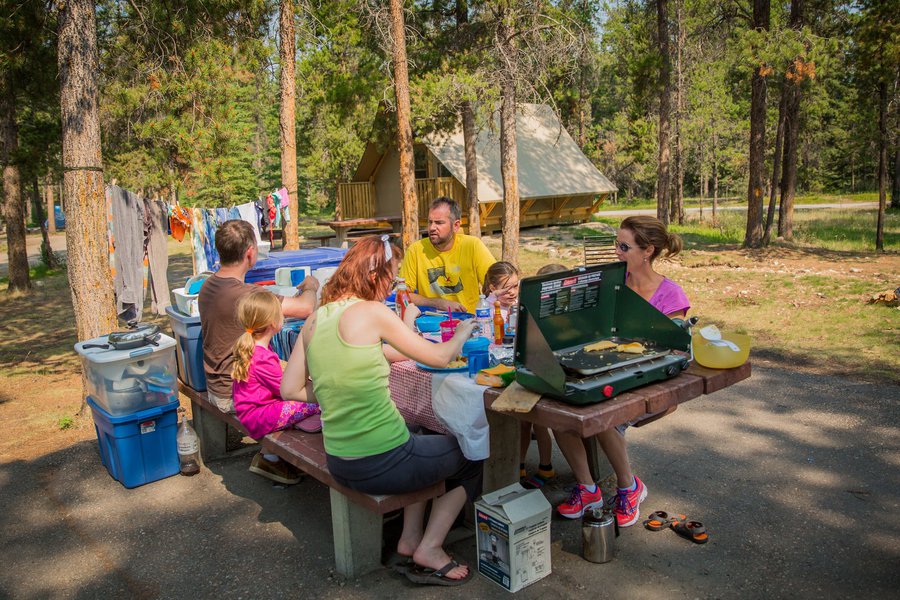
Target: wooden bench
[(356, 518)]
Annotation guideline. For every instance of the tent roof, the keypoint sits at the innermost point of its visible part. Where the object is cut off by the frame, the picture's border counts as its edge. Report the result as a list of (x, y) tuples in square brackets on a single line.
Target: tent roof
[(550, 163)]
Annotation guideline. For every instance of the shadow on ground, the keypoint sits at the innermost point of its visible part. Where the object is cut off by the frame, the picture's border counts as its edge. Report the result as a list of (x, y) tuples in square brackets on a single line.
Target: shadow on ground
[(795, 476)]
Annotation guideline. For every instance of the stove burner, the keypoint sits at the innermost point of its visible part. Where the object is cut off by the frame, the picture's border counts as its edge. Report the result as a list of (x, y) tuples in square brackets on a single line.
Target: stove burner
[(577, 362)]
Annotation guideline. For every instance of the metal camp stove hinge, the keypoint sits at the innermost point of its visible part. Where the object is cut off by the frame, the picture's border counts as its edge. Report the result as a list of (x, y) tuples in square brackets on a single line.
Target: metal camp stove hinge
[(618, 287), (613, 329)]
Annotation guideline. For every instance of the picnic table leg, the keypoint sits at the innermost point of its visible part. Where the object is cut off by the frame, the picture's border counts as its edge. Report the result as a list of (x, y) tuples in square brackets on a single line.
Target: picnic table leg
[(340, 237), (502, 468), (597, 461), (357, 536), (211, 431)]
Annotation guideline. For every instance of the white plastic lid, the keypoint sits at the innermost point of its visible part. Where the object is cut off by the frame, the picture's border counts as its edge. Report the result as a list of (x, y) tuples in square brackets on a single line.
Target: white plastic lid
[(110, 354)]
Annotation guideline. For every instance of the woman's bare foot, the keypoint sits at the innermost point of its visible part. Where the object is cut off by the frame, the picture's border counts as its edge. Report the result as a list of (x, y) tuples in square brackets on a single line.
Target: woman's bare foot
[(406, 547), (436, 558)]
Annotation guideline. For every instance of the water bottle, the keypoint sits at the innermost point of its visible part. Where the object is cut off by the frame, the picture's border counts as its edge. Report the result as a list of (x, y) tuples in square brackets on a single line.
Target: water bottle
[(512, 319), (188, 447), (483, 318)]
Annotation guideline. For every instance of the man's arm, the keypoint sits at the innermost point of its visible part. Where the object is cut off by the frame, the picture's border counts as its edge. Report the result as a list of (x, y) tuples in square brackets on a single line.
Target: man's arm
[(303, 304), (438, 303)]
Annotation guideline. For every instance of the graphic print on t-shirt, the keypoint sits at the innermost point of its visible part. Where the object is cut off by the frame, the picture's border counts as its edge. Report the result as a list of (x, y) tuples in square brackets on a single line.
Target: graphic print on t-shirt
[(441, 283)]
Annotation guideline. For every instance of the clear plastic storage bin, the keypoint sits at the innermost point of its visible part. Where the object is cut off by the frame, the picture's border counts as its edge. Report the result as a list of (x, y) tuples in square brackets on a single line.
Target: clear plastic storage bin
[(126, 381)]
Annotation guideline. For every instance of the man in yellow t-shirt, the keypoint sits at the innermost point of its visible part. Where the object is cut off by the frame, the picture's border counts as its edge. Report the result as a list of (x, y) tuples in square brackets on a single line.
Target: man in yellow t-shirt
[(446, 270)]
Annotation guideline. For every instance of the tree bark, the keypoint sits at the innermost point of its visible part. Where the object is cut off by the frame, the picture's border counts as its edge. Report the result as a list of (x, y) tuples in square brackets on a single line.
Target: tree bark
[(665, 92), (47, 255), (791, 94), (677, 213), (882, 163), (715, 172), (404, 128), (469, 139), (287, 55), (13, 207), (895, 186), (757, 158), (90, 279), (509, 153), (51, 205), (776, 166)]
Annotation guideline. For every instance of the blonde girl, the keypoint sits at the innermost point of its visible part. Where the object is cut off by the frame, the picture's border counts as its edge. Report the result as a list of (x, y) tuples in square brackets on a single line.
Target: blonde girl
[(257, 373)]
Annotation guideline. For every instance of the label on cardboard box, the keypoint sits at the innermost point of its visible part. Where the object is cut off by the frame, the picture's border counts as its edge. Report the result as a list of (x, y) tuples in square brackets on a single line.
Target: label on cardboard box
[(513, 536)]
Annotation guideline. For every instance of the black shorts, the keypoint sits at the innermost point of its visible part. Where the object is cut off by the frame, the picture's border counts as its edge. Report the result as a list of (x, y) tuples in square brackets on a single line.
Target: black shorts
[(422, 461)]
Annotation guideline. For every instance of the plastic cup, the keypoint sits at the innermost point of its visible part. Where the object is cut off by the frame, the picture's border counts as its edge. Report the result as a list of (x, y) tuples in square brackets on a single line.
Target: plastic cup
[(478, 360), (447, 329)]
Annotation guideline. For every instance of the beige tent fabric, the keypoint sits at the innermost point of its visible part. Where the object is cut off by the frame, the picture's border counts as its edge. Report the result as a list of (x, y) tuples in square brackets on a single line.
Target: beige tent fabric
[(550, 162)]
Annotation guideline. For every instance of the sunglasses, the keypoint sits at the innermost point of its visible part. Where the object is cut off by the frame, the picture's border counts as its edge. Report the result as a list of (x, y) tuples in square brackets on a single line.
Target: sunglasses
[(622, 246)]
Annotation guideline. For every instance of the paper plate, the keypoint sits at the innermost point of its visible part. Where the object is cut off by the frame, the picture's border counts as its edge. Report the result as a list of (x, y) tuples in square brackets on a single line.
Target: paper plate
[(442, 370)]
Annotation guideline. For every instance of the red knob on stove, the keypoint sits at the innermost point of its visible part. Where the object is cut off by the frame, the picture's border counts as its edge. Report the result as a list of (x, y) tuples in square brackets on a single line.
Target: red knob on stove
[(607, 390)]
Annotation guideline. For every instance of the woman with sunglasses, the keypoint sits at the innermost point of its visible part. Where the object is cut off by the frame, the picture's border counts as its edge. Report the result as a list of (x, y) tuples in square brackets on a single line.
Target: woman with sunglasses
[(345, 349), (639, 242)]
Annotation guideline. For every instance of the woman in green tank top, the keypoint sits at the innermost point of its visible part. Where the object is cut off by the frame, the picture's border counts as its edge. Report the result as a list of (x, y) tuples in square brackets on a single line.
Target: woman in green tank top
[(346, 348)]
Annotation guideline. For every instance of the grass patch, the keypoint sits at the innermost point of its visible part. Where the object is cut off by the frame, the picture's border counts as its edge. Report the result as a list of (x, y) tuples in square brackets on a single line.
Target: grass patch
[(36, 273)]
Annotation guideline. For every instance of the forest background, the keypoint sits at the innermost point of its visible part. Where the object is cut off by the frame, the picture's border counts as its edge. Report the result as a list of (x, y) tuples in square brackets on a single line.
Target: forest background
[(189, 90)]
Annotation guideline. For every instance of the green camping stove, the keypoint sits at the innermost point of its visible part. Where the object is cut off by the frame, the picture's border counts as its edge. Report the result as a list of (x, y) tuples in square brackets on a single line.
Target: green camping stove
[(561, 313)]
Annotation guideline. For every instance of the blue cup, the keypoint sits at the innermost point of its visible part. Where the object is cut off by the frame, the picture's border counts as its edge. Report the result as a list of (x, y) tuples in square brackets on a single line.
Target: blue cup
[(478, 360)]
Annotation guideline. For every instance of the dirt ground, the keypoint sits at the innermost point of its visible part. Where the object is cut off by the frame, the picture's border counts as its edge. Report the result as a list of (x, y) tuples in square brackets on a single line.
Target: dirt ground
[(40, 386)]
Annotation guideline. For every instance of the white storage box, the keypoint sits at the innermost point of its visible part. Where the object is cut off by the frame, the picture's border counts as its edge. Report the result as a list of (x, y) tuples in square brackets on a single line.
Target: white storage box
[(186, 303), (263, 249), (513, 536), (126, 381)]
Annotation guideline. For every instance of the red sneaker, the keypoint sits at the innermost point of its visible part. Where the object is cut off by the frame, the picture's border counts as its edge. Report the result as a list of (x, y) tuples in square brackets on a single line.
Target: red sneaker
[(579, 501), (628, 504)]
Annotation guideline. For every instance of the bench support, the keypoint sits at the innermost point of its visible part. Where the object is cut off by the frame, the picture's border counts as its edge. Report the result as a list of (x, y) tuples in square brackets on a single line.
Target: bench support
[(211, 430), (503, 467), (357, 536)]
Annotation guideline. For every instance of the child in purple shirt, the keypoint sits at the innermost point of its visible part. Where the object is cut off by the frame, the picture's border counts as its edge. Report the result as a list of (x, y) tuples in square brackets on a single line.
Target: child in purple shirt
[(256, 376)]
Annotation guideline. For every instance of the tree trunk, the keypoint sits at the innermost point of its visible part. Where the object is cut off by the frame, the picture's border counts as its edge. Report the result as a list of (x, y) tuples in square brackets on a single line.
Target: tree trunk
[(509, 169), (469, 139), (715, 171), (895, 186), (791, 94), (789, 160), (47, 255), (90, 279), (13, 207), (677, 213), (776, 166), (51, 205), (757, 158), (287, 56), (404, 129), (882, 163), (665, 92)]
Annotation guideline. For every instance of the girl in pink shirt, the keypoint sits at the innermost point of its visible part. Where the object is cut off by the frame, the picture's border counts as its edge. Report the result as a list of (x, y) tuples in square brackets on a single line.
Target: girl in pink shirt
[(257, 371)]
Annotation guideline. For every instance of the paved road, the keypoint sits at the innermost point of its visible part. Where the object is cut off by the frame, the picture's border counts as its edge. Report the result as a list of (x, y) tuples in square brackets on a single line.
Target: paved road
[(708, 209), (794, 475)]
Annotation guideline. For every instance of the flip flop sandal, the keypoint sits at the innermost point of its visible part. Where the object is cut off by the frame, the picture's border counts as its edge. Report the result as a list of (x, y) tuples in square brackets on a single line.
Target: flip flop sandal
[(426, 576), (400, 563), (661, 520), (691, 530), (311, 424)]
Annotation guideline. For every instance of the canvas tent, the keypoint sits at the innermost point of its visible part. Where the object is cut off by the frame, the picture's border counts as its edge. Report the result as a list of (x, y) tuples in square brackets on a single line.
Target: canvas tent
[(557, 182)]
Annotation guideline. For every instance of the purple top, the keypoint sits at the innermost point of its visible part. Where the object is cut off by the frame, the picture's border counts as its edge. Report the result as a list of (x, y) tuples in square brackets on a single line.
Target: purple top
[(670, 298), (257, 401)]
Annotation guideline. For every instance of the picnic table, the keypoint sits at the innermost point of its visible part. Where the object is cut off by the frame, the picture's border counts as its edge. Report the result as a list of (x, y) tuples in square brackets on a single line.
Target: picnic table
[(411, 389), (344, 227)]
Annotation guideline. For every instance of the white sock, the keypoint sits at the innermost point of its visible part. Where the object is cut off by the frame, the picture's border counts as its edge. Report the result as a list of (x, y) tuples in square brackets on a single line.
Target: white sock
[(271, 457)]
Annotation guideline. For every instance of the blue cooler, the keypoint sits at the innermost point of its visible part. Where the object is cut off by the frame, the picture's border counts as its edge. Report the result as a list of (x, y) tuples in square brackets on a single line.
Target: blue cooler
[(314, 258), (140, 447), (188, 348)]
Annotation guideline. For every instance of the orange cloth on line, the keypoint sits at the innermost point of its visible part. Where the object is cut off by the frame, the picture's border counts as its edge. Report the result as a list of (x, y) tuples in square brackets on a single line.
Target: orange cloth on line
[(180, 221)]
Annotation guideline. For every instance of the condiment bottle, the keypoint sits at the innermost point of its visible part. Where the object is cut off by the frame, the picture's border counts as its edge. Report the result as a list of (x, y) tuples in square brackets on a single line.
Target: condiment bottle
[(499, 326), (402, 299)]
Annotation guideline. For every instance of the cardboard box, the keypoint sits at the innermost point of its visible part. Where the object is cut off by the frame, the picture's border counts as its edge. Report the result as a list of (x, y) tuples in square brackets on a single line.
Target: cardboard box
[(513, 536)]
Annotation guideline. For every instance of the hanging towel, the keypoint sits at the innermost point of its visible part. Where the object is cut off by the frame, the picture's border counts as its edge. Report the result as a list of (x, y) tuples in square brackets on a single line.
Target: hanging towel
[(179, 221), (197, 235), (209, 243), (158, 256), (127, 211), (221, 216), (248, 213)]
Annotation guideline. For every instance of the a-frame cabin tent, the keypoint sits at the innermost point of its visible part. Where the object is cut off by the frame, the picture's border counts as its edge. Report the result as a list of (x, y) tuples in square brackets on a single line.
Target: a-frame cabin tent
[(557, 182)]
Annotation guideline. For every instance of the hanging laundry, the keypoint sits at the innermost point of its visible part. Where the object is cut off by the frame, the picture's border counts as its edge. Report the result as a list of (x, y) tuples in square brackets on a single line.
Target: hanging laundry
[(127, 212), (209, 243), (248, 213), (285, 204), (234, 213), (179, 221), (221, 216), (158, 255), (197, 243)]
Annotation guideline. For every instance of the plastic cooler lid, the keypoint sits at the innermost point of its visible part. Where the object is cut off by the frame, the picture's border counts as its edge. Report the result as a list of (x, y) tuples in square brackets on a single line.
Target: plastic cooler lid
[(174, 313), (99, 355), (313, 258)]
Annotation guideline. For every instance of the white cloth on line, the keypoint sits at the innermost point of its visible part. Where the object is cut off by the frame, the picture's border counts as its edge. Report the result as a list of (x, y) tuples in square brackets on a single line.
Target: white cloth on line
[(248, 213)]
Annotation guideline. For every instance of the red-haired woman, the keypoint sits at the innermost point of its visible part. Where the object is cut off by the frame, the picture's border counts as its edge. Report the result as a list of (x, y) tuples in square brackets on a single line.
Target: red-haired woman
[(367, 443)]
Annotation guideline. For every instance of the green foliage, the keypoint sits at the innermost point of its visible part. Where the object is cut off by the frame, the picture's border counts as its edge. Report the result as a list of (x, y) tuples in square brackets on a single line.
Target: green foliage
[(65, 423)]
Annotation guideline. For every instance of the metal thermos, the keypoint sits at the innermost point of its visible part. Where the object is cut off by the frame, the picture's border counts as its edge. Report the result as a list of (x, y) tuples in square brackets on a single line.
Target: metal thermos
[(599, 531)]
